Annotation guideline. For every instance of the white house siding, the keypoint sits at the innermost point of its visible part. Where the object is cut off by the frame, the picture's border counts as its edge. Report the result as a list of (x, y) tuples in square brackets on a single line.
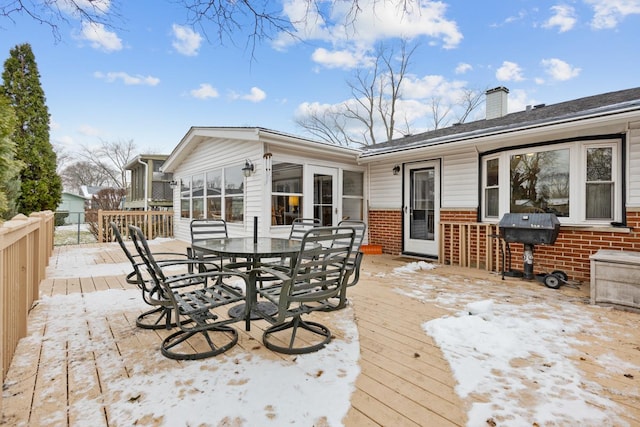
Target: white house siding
[(459, 172), (210, 155), (634, 167), (460, 179), (386, 188)]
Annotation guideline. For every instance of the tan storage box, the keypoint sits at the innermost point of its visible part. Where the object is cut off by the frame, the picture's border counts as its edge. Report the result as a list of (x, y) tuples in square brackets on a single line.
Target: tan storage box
[(615, 279)]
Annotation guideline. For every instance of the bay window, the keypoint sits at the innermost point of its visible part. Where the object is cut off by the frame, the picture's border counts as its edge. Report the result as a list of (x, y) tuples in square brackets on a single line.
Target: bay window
[(578, 181)]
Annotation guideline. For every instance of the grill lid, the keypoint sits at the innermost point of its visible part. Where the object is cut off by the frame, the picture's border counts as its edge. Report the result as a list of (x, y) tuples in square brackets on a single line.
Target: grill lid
[(529, 228), (529, 220)]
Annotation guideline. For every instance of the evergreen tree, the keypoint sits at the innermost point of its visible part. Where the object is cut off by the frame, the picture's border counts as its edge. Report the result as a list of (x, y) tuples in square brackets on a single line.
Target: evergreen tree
[(9, 166), (41, 187)]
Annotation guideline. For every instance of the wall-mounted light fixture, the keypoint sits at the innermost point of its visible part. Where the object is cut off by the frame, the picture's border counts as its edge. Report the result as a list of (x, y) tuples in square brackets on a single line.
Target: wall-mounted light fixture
[(396, 169), (173, 183), (247, 170)]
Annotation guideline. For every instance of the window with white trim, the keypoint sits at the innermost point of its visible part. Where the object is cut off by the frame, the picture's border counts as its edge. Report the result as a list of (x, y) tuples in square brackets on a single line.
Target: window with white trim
[(217, 193), (578, 181), (286, 193), (352, 195)]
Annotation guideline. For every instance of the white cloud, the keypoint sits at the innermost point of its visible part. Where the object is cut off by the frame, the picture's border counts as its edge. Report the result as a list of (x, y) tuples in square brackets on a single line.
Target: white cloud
[(205, 91), (375, 21), (339, 58), (255, 95), (89, 130), (414, 109), (609, 13), (509, 71), (100, 37), (127, 79), (187, 42), (70, 7), (564, 17), (518, 100), (431, 86), (463, 67), (559, 70)]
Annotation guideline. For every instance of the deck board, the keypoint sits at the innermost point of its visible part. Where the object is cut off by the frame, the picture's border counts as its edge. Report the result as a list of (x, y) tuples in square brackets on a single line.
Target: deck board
[(405, 380)]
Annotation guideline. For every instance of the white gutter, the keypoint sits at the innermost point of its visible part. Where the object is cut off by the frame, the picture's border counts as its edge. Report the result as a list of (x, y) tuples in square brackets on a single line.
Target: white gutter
[(146, 183)]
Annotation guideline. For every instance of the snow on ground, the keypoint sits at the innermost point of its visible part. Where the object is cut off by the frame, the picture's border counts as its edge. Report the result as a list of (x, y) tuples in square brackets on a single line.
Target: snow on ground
[(239, 389), (512, 361)]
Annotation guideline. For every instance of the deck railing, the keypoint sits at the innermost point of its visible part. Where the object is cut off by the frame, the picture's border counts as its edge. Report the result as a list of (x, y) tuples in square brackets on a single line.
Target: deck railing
[(153, 223), (470, 244), (26, 244)]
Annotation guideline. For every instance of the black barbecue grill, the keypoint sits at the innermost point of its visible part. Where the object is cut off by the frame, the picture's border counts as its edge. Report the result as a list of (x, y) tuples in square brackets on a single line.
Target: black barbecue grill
[(530, 229)]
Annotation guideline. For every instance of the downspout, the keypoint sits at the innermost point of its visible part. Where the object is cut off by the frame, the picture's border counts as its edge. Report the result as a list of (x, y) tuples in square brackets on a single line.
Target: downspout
[(146, 181)]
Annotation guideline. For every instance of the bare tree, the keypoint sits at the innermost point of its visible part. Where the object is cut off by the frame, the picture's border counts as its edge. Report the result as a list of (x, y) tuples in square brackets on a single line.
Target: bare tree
[(84, 173), (259, 19), (373, 108), (110, 158), (108, 199), (469, 101), (55, 12), (439, 112)]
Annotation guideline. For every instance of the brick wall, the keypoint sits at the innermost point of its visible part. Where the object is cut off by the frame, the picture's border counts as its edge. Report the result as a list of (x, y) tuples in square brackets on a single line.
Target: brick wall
[(570, 253), (385, 229)]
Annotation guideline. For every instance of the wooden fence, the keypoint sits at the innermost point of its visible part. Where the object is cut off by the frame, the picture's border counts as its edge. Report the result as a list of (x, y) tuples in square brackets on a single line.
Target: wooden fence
[(26, 243), (153, 223), (470, 244)]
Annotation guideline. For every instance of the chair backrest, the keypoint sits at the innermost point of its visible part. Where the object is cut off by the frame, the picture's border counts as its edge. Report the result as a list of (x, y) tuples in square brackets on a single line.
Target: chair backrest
[(360, 227), (133, 278), (321, 266), (208, 228), (355, 259), (142, 247), (300, 226)]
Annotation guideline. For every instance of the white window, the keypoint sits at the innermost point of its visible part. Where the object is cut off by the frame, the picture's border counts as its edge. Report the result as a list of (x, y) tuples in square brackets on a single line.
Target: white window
[(286, 193), (578, 181), (214, 194), (352, 195), (491, 174)]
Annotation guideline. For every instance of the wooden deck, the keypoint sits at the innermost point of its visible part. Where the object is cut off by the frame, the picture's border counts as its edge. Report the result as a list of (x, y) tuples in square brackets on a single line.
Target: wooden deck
[(405, 379)]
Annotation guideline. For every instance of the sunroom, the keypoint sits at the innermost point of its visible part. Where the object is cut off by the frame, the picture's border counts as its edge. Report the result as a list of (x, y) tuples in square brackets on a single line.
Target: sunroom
[(240, 173)]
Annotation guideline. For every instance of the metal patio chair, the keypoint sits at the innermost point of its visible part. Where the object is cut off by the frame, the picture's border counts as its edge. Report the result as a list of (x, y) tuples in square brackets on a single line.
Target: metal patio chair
[(194, 297), (158, 317), (318, 275), (204, 229), (354, 262), (300, 226)]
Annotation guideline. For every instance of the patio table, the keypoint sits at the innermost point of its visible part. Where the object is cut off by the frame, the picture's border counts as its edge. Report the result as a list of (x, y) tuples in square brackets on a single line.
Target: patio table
[(253, 250)]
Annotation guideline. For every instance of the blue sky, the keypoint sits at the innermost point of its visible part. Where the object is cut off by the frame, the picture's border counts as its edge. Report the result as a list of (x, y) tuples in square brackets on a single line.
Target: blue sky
[(150, 77)]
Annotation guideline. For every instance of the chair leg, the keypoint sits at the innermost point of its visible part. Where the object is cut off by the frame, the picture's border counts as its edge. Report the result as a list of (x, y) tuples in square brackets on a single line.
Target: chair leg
[(175, 346), (295, 324), (157, 318)]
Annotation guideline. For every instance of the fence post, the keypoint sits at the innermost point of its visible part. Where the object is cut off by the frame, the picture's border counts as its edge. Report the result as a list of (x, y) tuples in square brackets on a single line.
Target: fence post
[(100, 235)]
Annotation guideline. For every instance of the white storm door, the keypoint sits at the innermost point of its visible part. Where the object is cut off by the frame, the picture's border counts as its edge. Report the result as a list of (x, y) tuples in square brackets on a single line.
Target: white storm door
[(323, 185), (421, 210)]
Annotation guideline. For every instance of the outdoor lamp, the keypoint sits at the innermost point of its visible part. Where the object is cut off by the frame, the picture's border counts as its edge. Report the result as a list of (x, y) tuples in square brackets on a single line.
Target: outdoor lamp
[(396, 169), (247, 170), (173, 184)]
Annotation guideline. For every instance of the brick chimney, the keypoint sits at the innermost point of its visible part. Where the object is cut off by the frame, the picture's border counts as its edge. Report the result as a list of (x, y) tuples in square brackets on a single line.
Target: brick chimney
[(496, 102)]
